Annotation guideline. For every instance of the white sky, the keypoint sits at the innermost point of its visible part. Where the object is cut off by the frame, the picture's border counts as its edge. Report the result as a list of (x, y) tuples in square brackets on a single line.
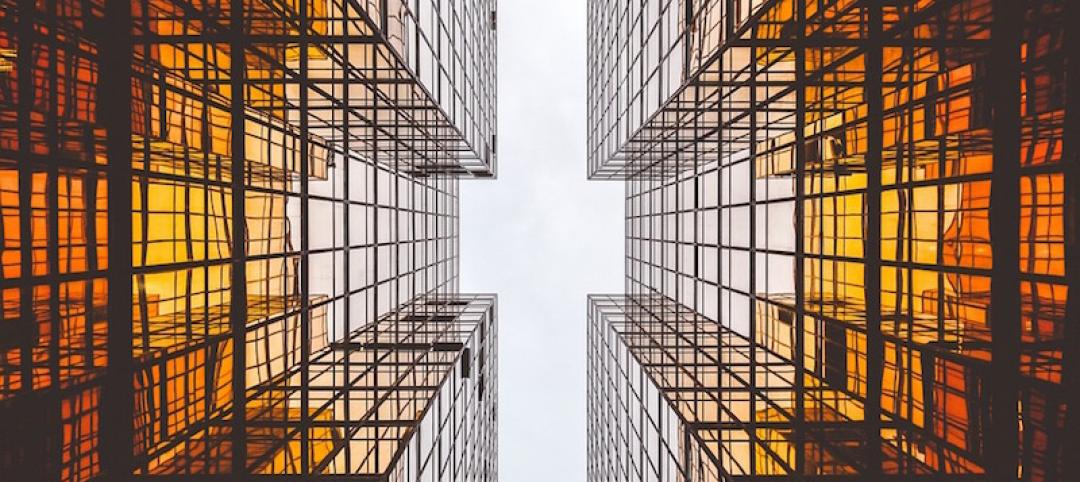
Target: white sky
[(542, 237)]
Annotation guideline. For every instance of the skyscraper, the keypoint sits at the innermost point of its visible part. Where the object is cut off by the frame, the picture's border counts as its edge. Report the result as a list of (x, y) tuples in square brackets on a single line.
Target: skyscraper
[(230, 239), (824, 200)]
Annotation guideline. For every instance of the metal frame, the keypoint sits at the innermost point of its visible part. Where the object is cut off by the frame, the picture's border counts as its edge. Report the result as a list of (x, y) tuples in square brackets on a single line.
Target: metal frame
[(292, 170), (826, 180)]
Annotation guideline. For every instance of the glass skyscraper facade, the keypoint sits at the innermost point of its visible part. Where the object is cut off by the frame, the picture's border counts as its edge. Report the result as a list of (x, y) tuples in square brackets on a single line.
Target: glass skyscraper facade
[(229, 239), (849, 240)]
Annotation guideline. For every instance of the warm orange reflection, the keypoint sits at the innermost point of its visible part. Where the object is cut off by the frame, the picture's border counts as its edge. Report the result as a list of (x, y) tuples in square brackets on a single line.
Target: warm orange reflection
[(772, 120)]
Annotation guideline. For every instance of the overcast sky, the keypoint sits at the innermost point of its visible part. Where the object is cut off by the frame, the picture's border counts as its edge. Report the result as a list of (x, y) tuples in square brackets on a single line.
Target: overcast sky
[(542, 237)]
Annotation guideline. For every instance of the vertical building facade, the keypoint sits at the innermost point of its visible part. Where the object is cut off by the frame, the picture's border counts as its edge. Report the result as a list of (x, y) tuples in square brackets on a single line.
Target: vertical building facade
[(848, 240), (230, 239)]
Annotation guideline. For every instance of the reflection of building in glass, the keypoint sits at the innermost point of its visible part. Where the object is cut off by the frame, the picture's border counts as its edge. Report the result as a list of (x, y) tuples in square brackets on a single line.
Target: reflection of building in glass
[(823, 191), (292, 171), (424, 375), (710, 403), (406, 397)]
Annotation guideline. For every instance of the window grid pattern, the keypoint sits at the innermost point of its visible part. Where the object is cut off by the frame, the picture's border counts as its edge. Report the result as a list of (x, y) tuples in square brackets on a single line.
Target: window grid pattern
[(826, 187), (294, 180), (54, 246)]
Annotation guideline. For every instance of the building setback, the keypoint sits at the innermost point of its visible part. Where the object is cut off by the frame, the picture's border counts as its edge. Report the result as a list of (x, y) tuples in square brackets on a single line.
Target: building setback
[(823, 202), (229, 239)]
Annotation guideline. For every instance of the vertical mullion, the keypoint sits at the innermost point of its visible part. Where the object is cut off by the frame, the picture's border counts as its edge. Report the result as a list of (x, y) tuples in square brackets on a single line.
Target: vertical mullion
[(52, 200), (238, 289), (720, 209), (374, 239), (752, 315), (875, 348), (1005, 316), (114, 107), (798, 429), (1071, 349), (305, 246), (346, 117), (26, 17)]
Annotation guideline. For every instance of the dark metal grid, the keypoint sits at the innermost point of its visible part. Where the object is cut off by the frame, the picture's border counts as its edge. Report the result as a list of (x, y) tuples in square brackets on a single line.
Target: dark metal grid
[(702, 402), (421, 74), (430, 412), (400, 262), (208, 84), (54, 200), (898, 304)]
